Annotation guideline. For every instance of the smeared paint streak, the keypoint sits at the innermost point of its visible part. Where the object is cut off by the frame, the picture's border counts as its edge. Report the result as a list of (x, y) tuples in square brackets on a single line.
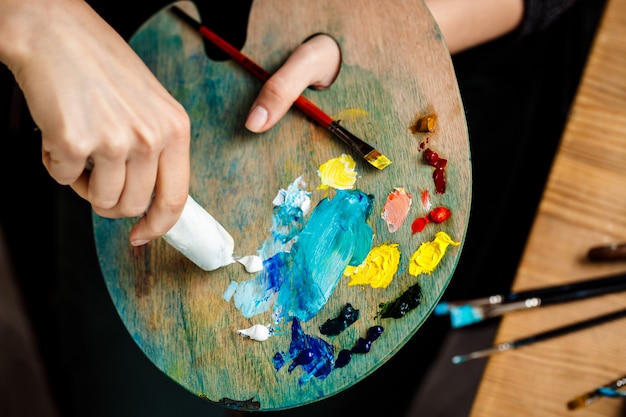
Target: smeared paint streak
[(396, 208), (378, 268), (338, 173), (333, 327), (351, 114), (425, 199), (315, 356), (290, 207), (257, 295), (426, 258), (299, 282), (294, 196), (436, 215), (406, 302), (439, 174), (363, 345)]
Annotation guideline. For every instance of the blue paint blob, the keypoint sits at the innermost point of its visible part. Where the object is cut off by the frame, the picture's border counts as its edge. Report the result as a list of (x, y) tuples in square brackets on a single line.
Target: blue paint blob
[(278, 360), (304, 275), (314, 355), (304, 358), (335, 236)]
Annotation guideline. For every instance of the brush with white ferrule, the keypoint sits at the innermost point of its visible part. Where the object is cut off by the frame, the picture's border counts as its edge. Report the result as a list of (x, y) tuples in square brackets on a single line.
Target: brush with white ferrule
[(201, 238), (474, 311)]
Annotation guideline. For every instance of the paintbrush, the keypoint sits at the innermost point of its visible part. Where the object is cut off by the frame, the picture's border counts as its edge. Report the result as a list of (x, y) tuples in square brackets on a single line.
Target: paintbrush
[(465, 313), (366, 151), (612, 252), (609, 390), (539, 337)]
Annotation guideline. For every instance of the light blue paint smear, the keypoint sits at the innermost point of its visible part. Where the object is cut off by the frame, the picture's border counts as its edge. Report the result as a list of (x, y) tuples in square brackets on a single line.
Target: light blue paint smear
[(300, 279)]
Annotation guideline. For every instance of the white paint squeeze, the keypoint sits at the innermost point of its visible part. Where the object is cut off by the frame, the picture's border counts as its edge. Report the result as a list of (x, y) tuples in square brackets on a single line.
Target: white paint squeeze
[(201, 238), (252, 263), (257, 332)]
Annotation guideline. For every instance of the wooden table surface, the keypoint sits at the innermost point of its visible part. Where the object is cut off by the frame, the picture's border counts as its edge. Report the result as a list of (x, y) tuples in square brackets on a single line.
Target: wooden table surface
[(584, 205)]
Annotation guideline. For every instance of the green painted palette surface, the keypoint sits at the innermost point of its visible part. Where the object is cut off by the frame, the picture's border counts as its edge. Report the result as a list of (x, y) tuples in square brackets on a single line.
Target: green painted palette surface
[(395, 69)]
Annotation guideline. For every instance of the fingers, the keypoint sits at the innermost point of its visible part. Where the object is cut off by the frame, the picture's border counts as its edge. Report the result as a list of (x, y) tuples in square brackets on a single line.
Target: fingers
[(96, 101), (315, 63), (152, 183), (171, 188), (106, 183), (63, 167)]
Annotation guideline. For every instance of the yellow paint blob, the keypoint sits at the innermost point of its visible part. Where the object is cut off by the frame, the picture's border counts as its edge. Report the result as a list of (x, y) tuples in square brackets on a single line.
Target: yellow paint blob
[(378, 268), (429, 254), (338, 173)]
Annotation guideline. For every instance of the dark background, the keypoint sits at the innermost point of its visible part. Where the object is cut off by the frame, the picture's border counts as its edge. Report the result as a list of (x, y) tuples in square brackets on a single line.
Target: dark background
[(517, 94)]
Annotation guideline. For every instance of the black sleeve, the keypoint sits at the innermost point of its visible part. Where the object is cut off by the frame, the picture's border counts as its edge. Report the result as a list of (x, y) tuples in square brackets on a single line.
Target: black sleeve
[(539, 14), (227, 19)]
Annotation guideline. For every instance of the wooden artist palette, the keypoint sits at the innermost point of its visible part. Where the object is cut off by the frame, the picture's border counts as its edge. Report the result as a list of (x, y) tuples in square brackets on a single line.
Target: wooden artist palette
[(395, 69)]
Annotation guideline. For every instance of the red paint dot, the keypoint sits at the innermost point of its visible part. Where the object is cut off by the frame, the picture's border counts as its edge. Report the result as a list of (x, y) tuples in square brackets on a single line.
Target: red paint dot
[(439, 175), (439, 214), (419, 224)]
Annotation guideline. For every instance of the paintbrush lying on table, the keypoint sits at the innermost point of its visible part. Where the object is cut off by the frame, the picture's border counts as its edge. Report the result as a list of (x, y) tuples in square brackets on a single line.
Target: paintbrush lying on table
[(465, 313), (540, 337), (612, 389)]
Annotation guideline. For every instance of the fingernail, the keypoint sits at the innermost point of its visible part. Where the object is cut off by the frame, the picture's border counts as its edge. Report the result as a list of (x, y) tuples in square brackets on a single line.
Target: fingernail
[(139, 242), (256, 119)]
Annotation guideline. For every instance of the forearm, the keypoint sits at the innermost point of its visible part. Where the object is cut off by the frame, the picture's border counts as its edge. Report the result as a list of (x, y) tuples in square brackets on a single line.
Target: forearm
[(16, 19), (469, 23), (30, 27)]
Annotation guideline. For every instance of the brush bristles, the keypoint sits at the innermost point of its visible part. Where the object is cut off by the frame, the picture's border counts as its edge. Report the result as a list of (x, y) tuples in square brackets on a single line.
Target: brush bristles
[(377, 159)]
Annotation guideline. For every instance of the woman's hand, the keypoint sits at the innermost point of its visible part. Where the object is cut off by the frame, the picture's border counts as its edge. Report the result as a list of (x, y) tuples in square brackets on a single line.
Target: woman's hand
[(315, 63), (99, 106)]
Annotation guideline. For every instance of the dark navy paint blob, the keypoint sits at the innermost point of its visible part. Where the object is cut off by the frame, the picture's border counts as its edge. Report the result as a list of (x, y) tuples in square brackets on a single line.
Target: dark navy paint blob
[(396, 309), (363, 345), (333, 327), (344, 357)]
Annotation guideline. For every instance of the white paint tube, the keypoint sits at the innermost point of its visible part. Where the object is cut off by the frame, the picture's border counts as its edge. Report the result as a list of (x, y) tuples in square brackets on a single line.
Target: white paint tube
[(201, 238)]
